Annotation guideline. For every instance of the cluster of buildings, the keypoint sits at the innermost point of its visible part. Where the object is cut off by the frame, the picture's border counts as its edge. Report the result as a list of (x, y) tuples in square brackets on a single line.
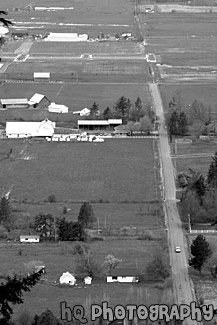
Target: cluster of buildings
[(37, 101), (121, 275)]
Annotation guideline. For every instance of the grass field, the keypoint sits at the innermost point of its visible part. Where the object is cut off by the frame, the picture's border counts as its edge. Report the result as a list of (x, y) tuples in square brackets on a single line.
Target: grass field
[(75, 96), (117, 170), (200, 163), (188, 93), (59, 258)]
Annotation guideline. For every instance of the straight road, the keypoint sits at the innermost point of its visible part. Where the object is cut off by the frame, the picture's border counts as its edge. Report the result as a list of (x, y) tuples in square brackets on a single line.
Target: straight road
[(181, 281)]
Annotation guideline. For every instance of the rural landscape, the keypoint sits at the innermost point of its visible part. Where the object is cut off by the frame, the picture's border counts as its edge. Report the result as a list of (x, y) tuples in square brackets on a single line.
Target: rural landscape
[(108, 126)]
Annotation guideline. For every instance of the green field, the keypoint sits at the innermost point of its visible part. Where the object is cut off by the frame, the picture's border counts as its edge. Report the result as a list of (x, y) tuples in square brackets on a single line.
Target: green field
[(59, 258), (117, 170), (75, 96), (205, 93), (185, 46), (200, 163)]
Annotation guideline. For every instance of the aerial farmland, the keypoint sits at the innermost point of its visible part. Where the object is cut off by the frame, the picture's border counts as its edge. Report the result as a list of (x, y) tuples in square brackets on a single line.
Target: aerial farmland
[(121, 178)]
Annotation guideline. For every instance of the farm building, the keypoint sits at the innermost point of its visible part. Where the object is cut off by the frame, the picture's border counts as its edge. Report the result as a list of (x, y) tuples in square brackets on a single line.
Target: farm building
[(57, 108), (38, 101), (123, 275), (3, 31), (84, 112), (98, 124), (87, 280), (29, 239), (14, 103), (41, 76), (66, 37), (67, 278), (30, 129)]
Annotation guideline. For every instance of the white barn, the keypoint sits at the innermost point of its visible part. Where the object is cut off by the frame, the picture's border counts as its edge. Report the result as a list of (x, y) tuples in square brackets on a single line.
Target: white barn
[(127, 275), (67, 278), (57, 108), (30, 129), (29, 239)]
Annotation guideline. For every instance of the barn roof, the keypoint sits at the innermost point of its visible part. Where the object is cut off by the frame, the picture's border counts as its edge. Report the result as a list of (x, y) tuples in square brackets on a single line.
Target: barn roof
[(125, 272), (12, 101), (93, 122), (36, 98), (26, 127)]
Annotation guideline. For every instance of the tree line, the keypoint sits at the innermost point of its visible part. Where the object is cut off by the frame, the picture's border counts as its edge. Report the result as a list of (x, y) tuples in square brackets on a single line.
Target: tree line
[(199, 194), (194, 119)]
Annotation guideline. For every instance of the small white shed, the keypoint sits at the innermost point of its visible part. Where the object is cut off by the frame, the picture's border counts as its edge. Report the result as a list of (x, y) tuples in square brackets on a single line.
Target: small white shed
[(29, 239), (88, 280), (67, 278)]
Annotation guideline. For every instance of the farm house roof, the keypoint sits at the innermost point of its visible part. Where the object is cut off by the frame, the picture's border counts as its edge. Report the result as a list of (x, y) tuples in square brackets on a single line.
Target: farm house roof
[(36, 98), (125, 272), (14, 101)]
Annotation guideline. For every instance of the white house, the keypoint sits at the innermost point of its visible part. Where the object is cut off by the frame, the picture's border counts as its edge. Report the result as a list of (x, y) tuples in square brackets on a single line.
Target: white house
[(30, 129), (84, 112), (88, 280), (123, 275), (67, 278), (29, 239), (57, 108)]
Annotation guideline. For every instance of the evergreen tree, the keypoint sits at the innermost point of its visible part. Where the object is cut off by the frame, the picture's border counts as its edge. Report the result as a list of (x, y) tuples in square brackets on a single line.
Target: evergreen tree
[(122, 108), (172, 122), (5, 211), (107, 114), (11, 292), (94, 110), (86, 215), (182, 124), (200, 251), (212, 172)]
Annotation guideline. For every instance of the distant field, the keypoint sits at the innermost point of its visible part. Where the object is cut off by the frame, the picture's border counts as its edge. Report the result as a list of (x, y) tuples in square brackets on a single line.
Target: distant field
[(201, 92), (75, 96), (185, 44), (117, 170)]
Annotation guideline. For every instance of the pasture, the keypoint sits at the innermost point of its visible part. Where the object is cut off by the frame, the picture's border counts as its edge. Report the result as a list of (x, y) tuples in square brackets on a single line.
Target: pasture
[(205, 93), (116, 170), (196, 156), (60, 258), (76, 96)]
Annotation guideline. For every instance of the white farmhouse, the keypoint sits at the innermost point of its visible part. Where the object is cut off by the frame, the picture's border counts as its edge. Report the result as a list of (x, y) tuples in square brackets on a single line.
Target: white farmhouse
[(84, 112), (127, 275), (67, 278), (30, 129)]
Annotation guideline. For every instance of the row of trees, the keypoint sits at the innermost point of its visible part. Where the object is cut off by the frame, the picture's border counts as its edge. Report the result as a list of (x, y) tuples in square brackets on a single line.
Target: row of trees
[(65, 230), (199, 198), (124, 109)]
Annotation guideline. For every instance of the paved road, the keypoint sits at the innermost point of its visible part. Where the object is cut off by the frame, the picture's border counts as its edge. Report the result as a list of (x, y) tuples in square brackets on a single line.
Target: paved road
[(181, 281)]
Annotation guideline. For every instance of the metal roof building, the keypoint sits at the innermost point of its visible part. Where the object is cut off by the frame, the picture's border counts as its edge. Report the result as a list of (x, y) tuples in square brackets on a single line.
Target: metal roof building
[(14, 103), (57, 108), (98, 124)]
